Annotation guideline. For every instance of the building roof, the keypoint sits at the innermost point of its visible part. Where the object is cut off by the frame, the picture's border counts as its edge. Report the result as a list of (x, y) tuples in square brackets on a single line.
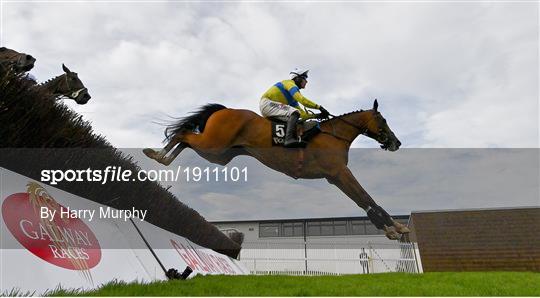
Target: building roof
[(476, 209), (301, 219)]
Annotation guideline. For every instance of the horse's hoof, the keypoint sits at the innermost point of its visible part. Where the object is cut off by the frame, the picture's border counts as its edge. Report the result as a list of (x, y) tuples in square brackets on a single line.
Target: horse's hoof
[(391, 233), (403, 230), (400, 228), (149, 152)]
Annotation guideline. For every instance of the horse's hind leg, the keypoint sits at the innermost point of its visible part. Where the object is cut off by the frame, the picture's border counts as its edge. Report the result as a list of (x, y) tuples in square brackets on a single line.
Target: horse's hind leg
[(167, 160), (345, 181), (223, 130), (159, 155), (221, 159), (209, 142)]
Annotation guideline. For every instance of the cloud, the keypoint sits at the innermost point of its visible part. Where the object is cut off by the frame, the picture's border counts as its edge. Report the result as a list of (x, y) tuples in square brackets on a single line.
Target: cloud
[(446, 74)]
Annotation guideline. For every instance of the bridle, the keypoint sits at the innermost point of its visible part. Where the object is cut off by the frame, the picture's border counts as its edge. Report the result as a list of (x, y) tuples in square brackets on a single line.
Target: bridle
[(75, 93)]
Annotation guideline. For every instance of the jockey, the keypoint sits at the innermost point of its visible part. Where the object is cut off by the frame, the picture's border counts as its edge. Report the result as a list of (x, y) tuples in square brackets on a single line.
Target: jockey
[(281, 102)]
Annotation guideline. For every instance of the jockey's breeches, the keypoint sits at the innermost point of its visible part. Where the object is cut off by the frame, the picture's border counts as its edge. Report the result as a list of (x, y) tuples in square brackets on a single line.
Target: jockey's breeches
[(275, 109)]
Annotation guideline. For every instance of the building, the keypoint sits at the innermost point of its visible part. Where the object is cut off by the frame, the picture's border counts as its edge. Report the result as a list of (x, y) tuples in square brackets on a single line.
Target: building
[(338, 245), (500, 239), (497, 239)]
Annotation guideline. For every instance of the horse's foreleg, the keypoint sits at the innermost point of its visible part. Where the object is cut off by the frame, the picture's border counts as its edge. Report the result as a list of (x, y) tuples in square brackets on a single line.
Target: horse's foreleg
[(346, 182)]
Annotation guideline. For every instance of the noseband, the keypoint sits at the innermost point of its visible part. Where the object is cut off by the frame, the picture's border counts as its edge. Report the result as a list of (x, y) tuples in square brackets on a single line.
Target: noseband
[(75, 93)]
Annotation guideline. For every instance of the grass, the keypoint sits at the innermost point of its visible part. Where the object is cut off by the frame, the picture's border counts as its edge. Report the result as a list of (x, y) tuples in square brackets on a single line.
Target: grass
[(387, 284)]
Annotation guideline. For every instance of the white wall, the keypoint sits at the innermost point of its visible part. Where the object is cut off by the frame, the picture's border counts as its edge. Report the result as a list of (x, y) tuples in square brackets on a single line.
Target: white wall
[(20, 268), (38, 255)]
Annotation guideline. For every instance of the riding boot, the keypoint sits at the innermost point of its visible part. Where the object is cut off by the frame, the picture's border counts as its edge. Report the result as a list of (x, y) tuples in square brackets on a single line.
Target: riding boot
[(291, 139)]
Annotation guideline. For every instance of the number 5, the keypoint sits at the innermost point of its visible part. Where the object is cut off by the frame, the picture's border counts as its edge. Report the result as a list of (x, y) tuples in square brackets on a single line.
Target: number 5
[(280, 130)]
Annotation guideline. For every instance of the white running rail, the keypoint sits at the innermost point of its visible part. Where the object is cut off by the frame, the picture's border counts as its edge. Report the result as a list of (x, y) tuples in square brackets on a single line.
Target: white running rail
[(324, 258)]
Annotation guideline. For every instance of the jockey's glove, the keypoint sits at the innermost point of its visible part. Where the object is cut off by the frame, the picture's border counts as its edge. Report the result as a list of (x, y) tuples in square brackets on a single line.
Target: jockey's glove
[(321, 116), (324, 113)]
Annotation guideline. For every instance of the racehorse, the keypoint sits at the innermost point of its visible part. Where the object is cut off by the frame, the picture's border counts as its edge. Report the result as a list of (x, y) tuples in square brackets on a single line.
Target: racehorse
[(67, 85), (11, 60), (218, 134)]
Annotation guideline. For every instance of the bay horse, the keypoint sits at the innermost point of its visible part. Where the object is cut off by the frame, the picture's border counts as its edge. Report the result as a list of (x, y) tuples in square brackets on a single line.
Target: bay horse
[(67, 85), (225, 133), (11, 60)]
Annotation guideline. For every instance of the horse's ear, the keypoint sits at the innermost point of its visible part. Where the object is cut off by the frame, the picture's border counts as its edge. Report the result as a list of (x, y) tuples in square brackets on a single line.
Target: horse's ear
[(66, 70), (375, 105)]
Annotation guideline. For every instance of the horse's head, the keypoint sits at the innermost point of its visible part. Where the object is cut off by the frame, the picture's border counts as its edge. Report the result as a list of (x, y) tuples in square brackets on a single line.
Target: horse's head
[(13, 60), (377, 129), (72, 87)]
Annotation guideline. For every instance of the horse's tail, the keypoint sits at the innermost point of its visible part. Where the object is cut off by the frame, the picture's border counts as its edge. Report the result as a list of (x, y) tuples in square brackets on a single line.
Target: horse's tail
[(197, 119)]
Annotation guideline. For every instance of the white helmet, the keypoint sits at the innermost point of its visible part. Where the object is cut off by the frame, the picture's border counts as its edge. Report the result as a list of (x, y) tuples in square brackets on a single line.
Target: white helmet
[(298, 72)]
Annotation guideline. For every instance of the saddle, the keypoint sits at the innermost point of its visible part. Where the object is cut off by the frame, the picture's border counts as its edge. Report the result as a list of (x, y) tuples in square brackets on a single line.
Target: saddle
[(306, 130)]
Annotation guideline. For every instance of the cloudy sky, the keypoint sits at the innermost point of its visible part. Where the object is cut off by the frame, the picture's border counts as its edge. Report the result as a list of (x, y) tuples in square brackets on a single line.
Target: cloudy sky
[(447, 75)]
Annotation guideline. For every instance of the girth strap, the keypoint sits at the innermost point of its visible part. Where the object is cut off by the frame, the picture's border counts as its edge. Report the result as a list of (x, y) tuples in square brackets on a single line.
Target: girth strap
[(300, 163)]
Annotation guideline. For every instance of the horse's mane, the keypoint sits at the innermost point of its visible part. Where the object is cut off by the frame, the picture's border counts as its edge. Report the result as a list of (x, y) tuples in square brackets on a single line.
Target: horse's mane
[(339, 116), (50, 80), (197, 119)]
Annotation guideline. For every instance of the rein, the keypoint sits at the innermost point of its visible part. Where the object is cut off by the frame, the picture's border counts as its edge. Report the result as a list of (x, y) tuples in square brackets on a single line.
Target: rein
[(363, 131), (350, 123)]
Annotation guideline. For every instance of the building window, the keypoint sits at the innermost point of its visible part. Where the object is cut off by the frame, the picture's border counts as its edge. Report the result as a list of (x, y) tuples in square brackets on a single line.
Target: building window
[(358, 227), (293, 229), (320, 228), (372, 230), (269, 230), (327, 228), (340, 227), (314, 228)]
